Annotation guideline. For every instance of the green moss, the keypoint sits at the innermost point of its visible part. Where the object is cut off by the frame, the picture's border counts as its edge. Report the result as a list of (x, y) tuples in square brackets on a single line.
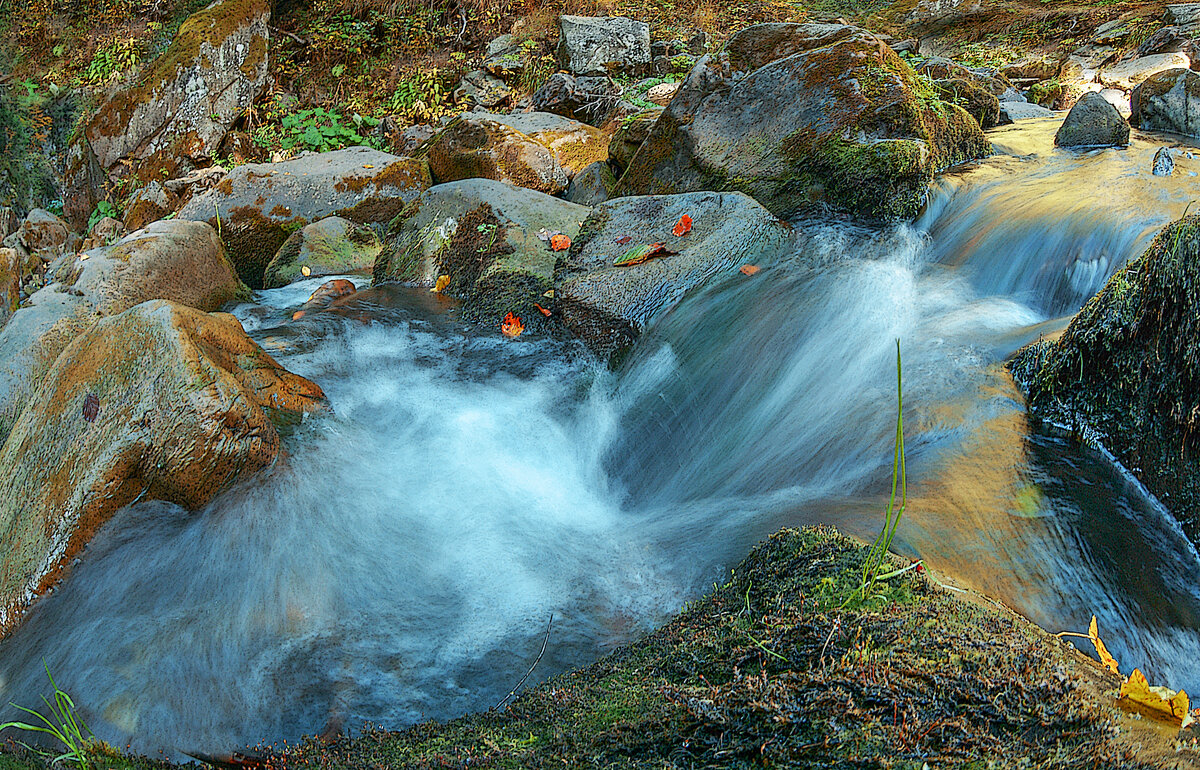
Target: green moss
[(1126, 373)]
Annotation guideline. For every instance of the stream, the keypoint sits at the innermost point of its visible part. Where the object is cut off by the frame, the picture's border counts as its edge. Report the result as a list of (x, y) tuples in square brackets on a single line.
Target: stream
[(403, 562)]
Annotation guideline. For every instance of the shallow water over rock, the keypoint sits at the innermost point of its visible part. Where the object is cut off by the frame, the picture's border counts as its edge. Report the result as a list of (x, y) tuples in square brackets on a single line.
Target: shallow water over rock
[(403, 561)]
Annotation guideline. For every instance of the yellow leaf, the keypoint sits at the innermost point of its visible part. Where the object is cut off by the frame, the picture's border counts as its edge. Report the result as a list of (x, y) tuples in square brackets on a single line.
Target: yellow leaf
[(1109, 662), (306, 271), (442, 282), (368, 165), (1157, 702)]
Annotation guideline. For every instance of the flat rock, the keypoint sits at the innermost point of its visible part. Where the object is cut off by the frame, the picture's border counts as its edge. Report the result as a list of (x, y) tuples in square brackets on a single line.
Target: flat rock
[(1127, 75), (608, 306), (258, 205)]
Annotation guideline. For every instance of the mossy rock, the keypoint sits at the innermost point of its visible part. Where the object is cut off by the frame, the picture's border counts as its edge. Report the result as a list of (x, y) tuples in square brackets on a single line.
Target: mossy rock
[(843, 123), (331, 246), (629, 136), (480, 148), (257, 206), (160, 402), (978, 102), (1168, 101), (1125, 373), (484, 234), (574, 145)]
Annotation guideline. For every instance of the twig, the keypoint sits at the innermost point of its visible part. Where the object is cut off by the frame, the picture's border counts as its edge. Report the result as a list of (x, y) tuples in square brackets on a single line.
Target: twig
[(297, 38), (545, 641), (836, 625)]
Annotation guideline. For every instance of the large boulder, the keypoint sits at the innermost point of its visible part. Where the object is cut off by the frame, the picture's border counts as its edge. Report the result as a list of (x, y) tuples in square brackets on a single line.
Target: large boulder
[(574, 145), (184, 103), (43, 231), (175, 260), (843, 123), (1185, 16), (488, 237), (1128, 74), (1168, 101), (1125, 373), (257, 206), (979, 103), (609, 306), (330, 246), (593, 185), (603, 45), (161, 402), (473, 147), (1093, 122)]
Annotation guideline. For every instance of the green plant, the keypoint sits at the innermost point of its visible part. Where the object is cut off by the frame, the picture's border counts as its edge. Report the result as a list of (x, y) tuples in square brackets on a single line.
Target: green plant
[(103, 210), (322, 130), (63, 724), (872, 566), (419, 95), (111, 61)]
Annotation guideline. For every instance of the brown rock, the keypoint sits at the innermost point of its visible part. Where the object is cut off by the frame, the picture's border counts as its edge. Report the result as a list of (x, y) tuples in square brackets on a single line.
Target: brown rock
[(477, 148), (181, 405)]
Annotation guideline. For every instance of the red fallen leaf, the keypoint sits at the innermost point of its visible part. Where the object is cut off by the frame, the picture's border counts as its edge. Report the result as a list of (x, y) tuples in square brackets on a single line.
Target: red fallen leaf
[(545, 312), (683, 226), (639, 254), (624, 239), (560, 242), (91, 407), (512, 326), (749, 269)]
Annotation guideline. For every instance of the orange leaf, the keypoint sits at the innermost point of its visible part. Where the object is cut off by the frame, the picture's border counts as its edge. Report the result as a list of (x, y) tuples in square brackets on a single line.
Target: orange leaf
[(297, 315), (560, 242), (1109, 662), (1157, 702), (306, 271), (512, 326), (683, 226), (749, 269), (442, 282), (545, 312)]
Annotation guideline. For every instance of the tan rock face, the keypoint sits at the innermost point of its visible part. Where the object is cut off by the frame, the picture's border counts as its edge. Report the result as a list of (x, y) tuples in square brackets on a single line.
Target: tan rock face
[(161, 402), (479, 148), (10, 283), (191, 94)]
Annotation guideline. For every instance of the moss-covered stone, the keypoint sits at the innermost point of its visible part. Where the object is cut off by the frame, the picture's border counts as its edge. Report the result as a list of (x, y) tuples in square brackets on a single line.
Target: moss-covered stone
[(479, 148), (772, 669), (843, 122), (1126, 372), (331, 246)]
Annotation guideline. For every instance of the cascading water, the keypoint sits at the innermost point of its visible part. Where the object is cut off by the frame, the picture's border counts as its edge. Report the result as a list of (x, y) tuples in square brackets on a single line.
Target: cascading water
[(403, 560)]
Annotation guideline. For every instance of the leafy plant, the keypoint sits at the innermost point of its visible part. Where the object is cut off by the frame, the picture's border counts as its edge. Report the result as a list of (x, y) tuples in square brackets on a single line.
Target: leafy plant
[(419, 95), (63, 724), (103, 210), (322, 130), (111, 61), (872, 567)]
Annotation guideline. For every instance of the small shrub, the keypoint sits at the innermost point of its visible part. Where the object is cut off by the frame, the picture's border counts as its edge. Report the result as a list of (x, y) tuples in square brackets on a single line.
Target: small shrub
[(103, 210), (322, 130)]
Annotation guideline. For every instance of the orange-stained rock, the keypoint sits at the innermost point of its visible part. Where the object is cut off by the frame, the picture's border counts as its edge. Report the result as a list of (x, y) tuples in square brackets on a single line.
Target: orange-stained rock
[(161, 402)]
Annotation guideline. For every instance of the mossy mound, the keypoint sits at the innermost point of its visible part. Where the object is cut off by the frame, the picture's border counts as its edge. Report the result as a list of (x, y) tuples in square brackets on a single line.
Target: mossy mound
[(771, 670), (1126, 373), (840, 122), (331, 246)]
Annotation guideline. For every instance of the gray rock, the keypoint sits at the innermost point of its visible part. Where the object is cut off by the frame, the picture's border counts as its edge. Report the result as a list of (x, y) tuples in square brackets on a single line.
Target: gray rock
[(1093, 122), (1168, 40), (484, 234), (482, 89), (1110, 32), (589, 99), (1118, 99), (608, 306), (1168, 101), (1010, 112), (1127, 75), (503, 58), (329, 246), (1164, 162), (1186, 16), (258, 205), (629, 137), (804, 132), (603, 45), (43, 231), (1032, 67), (593, 185), (152, 201), (697, 44), (214, 69)]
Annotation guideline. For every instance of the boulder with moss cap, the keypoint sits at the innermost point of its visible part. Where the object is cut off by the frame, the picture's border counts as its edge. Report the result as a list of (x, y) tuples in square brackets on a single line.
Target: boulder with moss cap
[(474, 146), (490, 237), (331, 246), (160, 402), (806, 116)]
